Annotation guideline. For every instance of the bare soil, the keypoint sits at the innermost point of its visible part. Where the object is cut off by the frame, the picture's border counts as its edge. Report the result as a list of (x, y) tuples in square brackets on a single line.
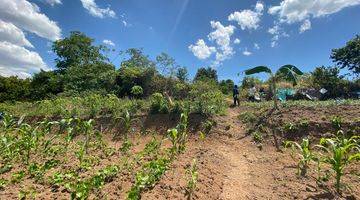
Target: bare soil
[(230, 165)]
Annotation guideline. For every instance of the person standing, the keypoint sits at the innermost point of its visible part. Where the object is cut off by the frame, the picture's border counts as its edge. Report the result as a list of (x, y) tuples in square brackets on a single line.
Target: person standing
[(236, 95)]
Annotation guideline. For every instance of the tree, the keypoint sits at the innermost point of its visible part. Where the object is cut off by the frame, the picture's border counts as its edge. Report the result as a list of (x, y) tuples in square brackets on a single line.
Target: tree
[(14, 89), (45, 84), (287, 72), (137, 59), (204, 74), (90, 77), (167, 65), (182, 74), (226, 86), (330, 79), (77, 50), (348, 56)]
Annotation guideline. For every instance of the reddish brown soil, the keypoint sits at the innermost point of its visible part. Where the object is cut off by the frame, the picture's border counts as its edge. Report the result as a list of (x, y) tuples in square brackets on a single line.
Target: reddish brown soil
[(230, 166)]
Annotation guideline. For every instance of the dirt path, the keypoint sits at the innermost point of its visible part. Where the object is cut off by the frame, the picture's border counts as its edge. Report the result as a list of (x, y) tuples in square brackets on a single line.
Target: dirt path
[(231, 167)]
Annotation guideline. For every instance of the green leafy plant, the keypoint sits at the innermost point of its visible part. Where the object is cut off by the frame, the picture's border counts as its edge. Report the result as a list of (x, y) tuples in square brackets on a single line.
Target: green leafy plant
[(193, 175), (147, 177), (287, 72), (305, 154), (336, 122), (339, 153)]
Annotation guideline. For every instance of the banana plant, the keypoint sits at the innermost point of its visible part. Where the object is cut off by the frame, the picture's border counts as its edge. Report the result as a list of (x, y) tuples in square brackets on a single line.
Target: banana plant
[(287, 72), (340, 152)]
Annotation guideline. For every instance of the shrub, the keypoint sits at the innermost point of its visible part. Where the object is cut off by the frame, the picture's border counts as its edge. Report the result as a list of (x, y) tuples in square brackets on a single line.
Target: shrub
[(137, 91), (159, 104)]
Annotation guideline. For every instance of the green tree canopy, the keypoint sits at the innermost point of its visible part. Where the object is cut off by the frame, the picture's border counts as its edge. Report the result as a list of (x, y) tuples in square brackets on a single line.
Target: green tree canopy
[(204, 74), (348, 56), (77, 49)]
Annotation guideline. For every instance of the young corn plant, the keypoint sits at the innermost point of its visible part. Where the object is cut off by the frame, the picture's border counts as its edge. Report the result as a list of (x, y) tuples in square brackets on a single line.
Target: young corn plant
[(128, 120), (178, 135), (339, 153), (192, 181), (305, 155)]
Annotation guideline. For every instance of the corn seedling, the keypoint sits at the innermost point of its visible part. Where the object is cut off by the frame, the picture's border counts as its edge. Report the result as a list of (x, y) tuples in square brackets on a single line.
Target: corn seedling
[(339, 153), (305, 155), (336, 122), (193, 174)]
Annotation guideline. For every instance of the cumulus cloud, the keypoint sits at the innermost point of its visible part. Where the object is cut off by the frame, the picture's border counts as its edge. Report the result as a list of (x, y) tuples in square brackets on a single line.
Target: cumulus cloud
[(27, 16), (222, 36), (96, 11), (12, 34), (247, 53), (277, 33), (53, 2), (305, 26), (248, 19), (201, 50), (237, 41), (18, 17), (109, 42), (16, 60), (291, 11)]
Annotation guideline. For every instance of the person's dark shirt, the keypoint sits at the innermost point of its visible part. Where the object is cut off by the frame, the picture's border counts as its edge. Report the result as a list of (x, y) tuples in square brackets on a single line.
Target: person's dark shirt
[(235, 92)]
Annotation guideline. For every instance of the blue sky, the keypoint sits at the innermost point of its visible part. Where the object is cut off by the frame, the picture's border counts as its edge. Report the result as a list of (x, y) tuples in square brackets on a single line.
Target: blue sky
[(196, 33)]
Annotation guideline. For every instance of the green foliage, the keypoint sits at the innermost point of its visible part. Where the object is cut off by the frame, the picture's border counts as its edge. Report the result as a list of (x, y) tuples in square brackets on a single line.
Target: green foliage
[(147, 177), (286, 72), (305, 154), (77, 50), (137, 91), (330, 79), (206, 74), (336, 122), (46, 84), (206, 98), (182, 74), (158, 104), (14, 89), (178, 135), (249, 82), (348, 56), (193, 174), (257, 136), (226, 86), (247, 117), (339, 153)]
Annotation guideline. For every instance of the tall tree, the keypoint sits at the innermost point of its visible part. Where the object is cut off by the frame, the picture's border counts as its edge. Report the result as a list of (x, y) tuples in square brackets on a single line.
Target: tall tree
[(182, 74), (77, 50), (204, 74), (348, 56), (45, 84)]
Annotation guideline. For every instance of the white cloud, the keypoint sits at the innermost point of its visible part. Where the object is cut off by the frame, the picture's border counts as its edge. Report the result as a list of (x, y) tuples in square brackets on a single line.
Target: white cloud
[(10, 33), (27, 16), (259, 7), (94, 10), (16, 60), (237, 41), (277, 33), (201, 50), (291, 11), (109, 42), (256, 46), (248, 19), (247, 53), (53, 2), (305, 26), (222, 36)]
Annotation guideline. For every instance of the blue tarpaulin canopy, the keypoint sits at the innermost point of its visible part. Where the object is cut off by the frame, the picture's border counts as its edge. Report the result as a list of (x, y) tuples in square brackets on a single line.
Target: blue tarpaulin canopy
[(282, 93)]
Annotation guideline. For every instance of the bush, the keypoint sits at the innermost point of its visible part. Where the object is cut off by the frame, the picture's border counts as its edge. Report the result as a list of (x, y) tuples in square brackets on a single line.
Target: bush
[(137, 91), (206, 98), (158, 104)]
